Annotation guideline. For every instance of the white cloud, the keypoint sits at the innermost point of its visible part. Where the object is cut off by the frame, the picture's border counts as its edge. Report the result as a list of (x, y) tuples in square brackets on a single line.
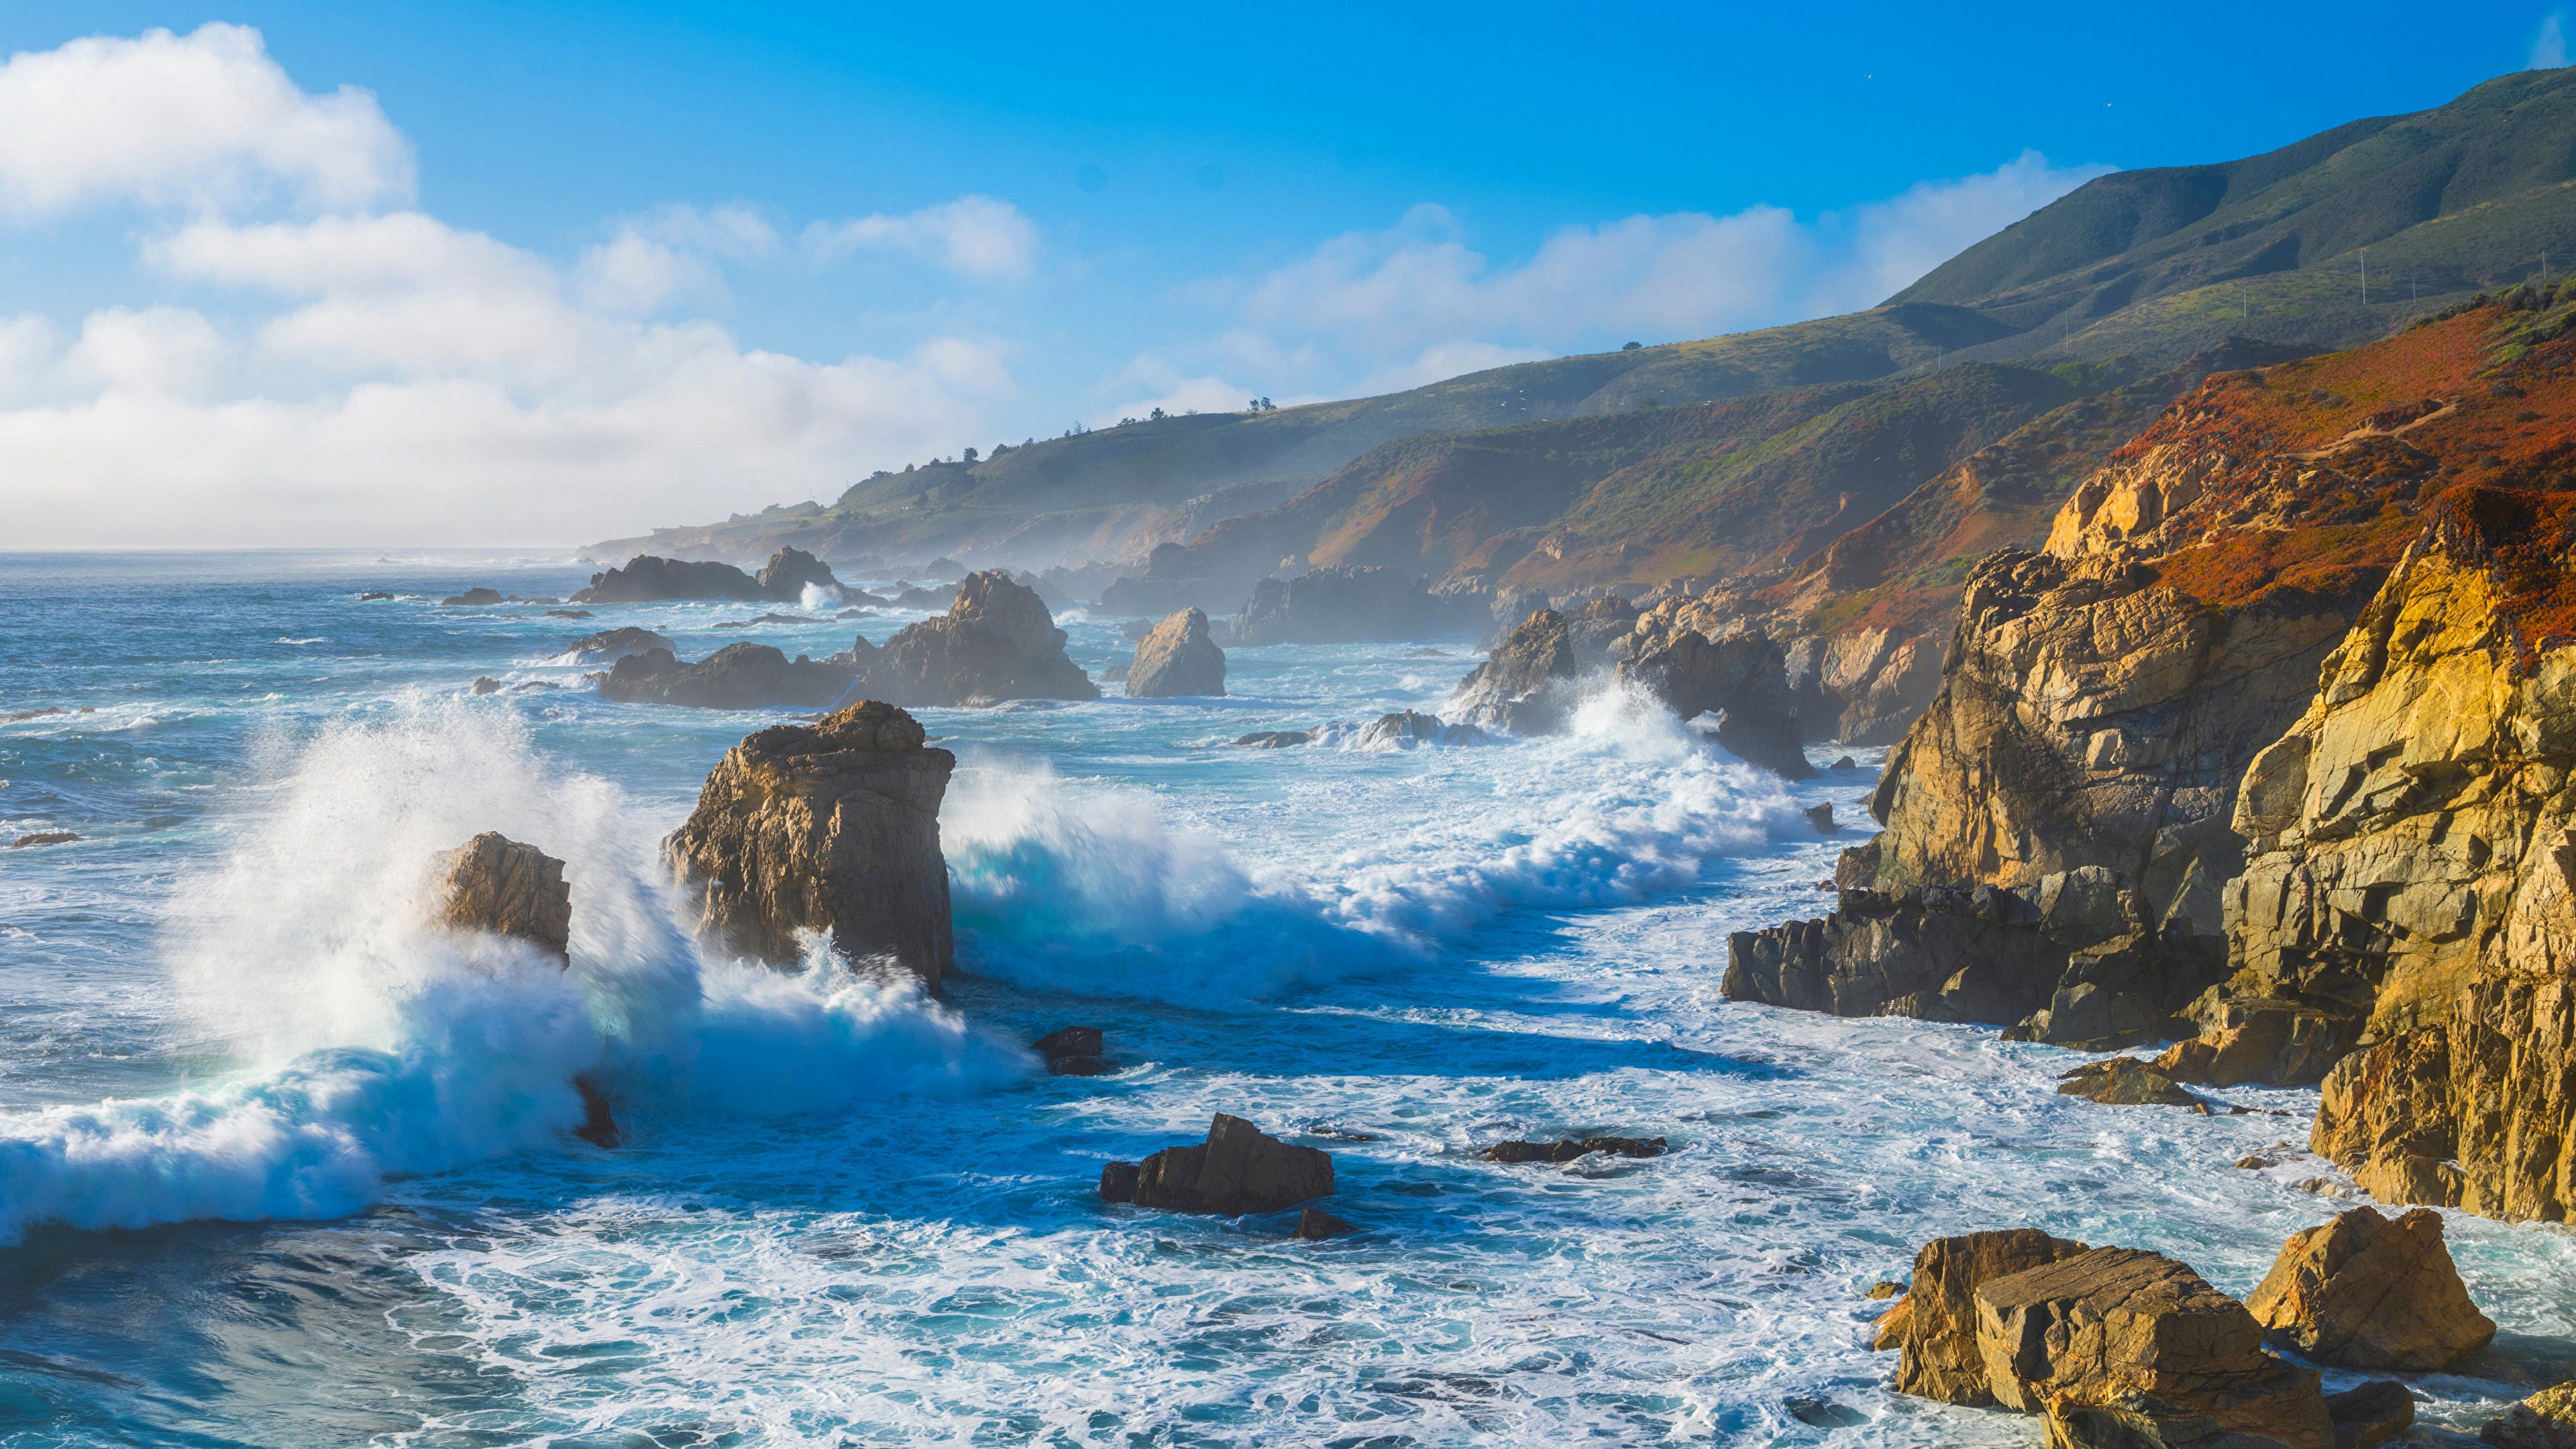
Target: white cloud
[(977, 236), (206, 121), (634, 274), (1418, 288), (2549, 51), (26, 346), (156, 352)]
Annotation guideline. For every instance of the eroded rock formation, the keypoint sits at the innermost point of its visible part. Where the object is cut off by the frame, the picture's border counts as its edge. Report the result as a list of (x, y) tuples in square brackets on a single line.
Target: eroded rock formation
[(1527, 684), (2365, 1292), (1971, 954), (998, 641), (829, 827), (1935, 1324), (1239, 1169), (1743, 679), (496, 884), (1177, 658)]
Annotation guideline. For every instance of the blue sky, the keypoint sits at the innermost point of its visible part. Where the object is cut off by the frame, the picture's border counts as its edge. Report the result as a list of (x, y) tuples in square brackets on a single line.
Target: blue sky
[(545, 276)]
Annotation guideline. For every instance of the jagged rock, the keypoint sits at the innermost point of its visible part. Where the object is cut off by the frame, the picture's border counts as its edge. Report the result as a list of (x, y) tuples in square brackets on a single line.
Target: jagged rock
[(1821, 817), (1572, 1148), (610, 645), (1743, 679), (1526, 685), (2385, 1115), (1177, 658), (830, 827), (1340, 605), (1881, 1291), (1073, 1051), (1595, 627), (2372, 1414), (1406, 729), (1935, 1324), (568, 613), (493, 883), (997, 642), (2364, 1292), (1239, 1169), (1892, 1326), (647, 579), (1932, 953), (2546, 1420), (472, 597), (2268, 1042), (790, 570), (1118, 1182), (2126, 1347), (2127, 989), (2123, 1082), (738, 676), (1274, 739), (485, 684), (1315, 1225)]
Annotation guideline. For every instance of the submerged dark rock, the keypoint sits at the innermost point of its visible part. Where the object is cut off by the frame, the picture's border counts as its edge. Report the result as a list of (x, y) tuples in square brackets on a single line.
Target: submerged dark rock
[(1572, 1148), (43, 837), (1315, 1225), (472, 597), (1073, 1051), (1274, 739)]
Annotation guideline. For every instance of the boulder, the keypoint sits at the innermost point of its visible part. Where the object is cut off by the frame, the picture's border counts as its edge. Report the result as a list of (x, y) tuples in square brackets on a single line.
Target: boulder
[(647, 579), (2364, 1292), (1572, 1148), (2125, 1347), (496, 884), (1934, 953), (738, 676), (1177, 658), (485, 684), (1407, 729), (610, 645), (830, 827), (2372, 1414), (2124, 1082), (1314, 1225), (1935, 1324), (1239, 1169), (997, 642), (790, 570), (472, 597), (1526, 685), (2546, 1420), (1743, 679), (1073, 1051)]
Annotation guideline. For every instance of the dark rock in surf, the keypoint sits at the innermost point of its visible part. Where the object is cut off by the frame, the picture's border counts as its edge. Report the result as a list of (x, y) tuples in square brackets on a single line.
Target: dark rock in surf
[(1177, 658), (1274, 739), (610, 645), (1933, 953), (790, 570), (43, 837), (1118, 1182), (997, 642), (1314, 1225), (496, 884), (1073, 1051), (1239, 1169), (1743, 679), (738, 676), (2124, 1082), (568, 613), (1407, 729), (2370, 1415), (1526, 685), (647, 579), (472, 597), (373, 595), (1822, 818), (485, 684), (830, 827), (1572, 1148)]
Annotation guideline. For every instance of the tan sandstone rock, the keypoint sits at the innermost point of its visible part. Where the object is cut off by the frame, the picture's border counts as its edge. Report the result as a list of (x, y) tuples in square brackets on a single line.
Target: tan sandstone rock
[(2364, 1292), (2122, 1342), (1176, 658), (1935, 1324), (2546, 1420), (830, 827), (493, 883)]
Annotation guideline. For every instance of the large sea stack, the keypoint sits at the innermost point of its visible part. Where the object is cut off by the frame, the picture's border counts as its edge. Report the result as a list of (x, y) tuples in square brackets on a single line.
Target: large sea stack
[(997, 642), (1177, 658), (830, 827)]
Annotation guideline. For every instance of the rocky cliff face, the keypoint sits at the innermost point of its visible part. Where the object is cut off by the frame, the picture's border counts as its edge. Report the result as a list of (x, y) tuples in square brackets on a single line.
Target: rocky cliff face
[(1742, 678), (830, 827), (998, 642), (1177, 658), (1527, 684)]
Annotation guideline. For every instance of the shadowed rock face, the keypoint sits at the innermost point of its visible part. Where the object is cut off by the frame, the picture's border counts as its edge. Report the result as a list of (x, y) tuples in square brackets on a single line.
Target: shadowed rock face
[(738, 676), (830, 827), (2122, 1346), (1239, 1169), (1177, 658), (1527, 684), (2365, 1292), (492, 883), (790, 570), (1933, 954), (1743, 679), (997, 642)]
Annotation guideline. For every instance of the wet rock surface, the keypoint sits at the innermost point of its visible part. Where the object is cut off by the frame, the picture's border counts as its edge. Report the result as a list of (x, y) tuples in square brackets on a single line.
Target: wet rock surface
[(1408, 729), (832, 827), (2366, 1292), (2124, 1082), (1239, 1169), (1177, 658), (1973, 954), (1314, 1225), (496, 884), (1743, 679), (1274, 739), (1572, 1148), (2371, 1414)]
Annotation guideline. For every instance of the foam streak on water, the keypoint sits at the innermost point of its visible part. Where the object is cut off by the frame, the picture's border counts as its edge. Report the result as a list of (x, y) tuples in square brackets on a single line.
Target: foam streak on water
[(853, 1214)]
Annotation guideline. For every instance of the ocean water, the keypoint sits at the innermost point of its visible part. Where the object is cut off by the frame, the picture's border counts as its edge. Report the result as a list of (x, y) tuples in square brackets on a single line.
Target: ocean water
[(280, 1168)]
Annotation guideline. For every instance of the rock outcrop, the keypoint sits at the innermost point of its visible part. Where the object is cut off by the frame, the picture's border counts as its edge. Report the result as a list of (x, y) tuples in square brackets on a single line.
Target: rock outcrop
[(790, 570), (2546, 1420), (2123, 1082), (998, 641), (1572, 1148), (738, 676), (647, 579), (2372, 1414), (496, 884), (1345, 604), (1177, 658), (1935, 1325), (829, 827), (1073, 1051), (2124, 1347), (2368, 1293), (1743, 679), (1409, 729), (1975, 954), (610, 645), (1239, 1169), (1527, 684)]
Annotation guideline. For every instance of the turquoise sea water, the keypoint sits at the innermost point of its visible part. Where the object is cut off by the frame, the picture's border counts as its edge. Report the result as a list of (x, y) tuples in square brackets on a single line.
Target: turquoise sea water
[(280, 1168)]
